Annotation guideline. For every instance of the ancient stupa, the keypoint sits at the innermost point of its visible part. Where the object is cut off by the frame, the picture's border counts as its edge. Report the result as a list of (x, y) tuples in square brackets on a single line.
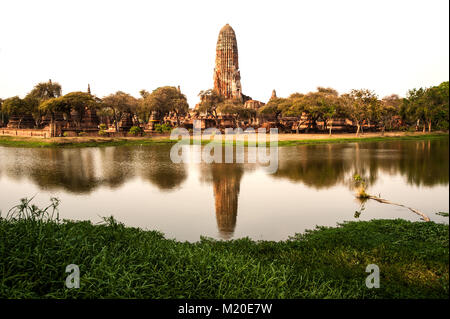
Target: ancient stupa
[(227, 78)]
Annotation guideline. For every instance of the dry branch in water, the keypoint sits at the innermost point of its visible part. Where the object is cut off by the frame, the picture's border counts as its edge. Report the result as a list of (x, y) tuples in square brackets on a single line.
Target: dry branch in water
[(384, 201)]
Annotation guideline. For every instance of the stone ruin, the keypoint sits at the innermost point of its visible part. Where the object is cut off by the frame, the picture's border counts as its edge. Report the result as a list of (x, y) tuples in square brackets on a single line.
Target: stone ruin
[(26, 122)]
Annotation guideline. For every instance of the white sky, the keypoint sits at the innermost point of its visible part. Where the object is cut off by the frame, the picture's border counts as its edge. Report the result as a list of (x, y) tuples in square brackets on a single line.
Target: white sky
[(291, 46)]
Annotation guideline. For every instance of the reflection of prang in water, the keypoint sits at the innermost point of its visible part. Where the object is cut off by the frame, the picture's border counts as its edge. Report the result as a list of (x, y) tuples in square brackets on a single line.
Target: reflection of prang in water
[(226, 185)]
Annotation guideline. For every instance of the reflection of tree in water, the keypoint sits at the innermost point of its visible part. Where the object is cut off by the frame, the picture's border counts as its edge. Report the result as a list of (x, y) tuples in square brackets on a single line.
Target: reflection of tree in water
[(157, 167), (429, 162), (321, 166), (117, 165), (82, 170), (69, 169), (226, 180)]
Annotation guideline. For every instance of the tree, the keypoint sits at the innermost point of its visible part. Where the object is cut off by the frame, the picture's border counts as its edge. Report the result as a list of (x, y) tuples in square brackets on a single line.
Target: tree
[(3, 114), (142, 111), (331, 110), (46, 90), (294, 106), (329, 106), (388, 108), (164, 101), (413, 107), (80, 102), (179, 106), (55, 105), (320, 105), (17, 107), (236, 109), (74, 101), (120, 103), (436, 106), (41, 92), (274, 108), (357, 106), (210, 101)]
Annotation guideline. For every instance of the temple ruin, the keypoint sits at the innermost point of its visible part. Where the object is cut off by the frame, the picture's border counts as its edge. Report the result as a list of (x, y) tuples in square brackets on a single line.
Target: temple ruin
[(227, 78)]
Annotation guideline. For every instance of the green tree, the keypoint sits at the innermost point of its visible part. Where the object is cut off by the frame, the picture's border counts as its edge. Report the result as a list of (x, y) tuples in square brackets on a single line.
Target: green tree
[(274, 108), (46, 90), (329, 106), (165, 101), (80, 102), (236, 109), (209, 103), (316, 106), (41, 92), (358, 105), (2, 119), (17, 107), (388, 109), (413, 107), (294, 106), (120, 103), (436, 107), (53, 106)]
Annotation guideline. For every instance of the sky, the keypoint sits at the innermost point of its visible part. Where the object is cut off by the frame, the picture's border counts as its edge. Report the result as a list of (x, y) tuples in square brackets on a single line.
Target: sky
[(291, 46)]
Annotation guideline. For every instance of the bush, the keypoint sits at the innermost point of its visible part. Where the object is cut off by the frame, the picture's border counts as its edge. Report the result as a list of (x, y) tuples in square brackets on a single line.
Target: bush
[(135, 130), (82, 133), (163, 128), (102, 130), (65, 134)]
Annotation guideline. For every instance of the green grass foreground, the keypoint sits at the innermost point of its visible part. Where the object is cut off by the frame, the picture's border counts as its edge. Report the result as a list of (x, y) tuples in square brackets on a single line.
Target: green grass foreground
[(67, 142), (122, 262)]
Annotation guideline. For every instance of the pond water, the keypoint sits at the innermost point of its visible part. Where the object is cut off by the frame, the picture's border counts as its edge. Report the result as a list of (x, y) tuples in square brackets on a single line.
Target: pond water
[(140, 186)]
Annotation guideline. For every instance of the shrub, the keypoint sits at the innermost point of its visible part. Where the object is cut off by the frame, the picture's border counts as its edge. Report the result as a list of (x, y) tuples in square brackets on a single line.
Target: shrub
[(65, 134), (163, 128), (82, 133), (102, 130), (135, 130), (360, 185)]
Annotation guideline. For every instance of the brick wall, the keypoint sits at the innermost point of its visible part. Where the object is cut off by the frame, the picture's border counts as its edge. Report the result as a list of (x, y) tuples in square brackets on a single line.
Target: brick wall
[(25, 132)]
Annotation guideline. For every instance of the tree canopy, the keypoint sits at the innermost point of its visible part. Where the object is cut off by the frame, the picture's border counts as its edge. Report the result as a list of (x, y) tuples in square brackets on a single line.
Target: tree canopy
[(166, 100), (120, 103)]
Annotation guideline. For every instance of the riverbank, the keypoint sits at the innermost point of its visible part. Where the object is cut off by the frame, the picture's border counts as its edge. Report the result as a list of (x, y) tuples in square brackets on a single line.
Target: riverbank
[(283, 139), (123, 262)]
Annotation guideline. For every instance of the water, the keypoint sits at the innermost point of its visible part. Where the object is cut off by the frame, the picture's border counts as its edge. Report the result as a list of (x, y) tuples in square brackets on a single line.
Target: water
[(141, 187)]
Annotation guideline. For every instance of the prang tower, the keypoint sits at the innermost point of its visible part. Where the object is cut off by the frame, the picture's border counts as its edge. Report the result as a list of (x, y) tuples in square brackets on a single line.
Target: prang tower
[(227, 78)]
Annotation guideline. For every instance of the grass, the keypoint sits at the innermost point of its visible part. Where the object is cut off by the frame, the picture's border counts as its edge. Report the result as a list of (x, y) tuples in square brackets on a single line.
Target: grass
[(363, 139), (123, 262), (69, 142), (80, 142)]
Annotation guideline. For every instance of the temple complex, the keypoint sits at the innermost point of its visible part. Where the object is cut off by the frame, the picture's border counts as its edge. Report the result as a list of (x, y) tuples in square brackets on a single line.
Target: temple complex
[(226, 84)]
